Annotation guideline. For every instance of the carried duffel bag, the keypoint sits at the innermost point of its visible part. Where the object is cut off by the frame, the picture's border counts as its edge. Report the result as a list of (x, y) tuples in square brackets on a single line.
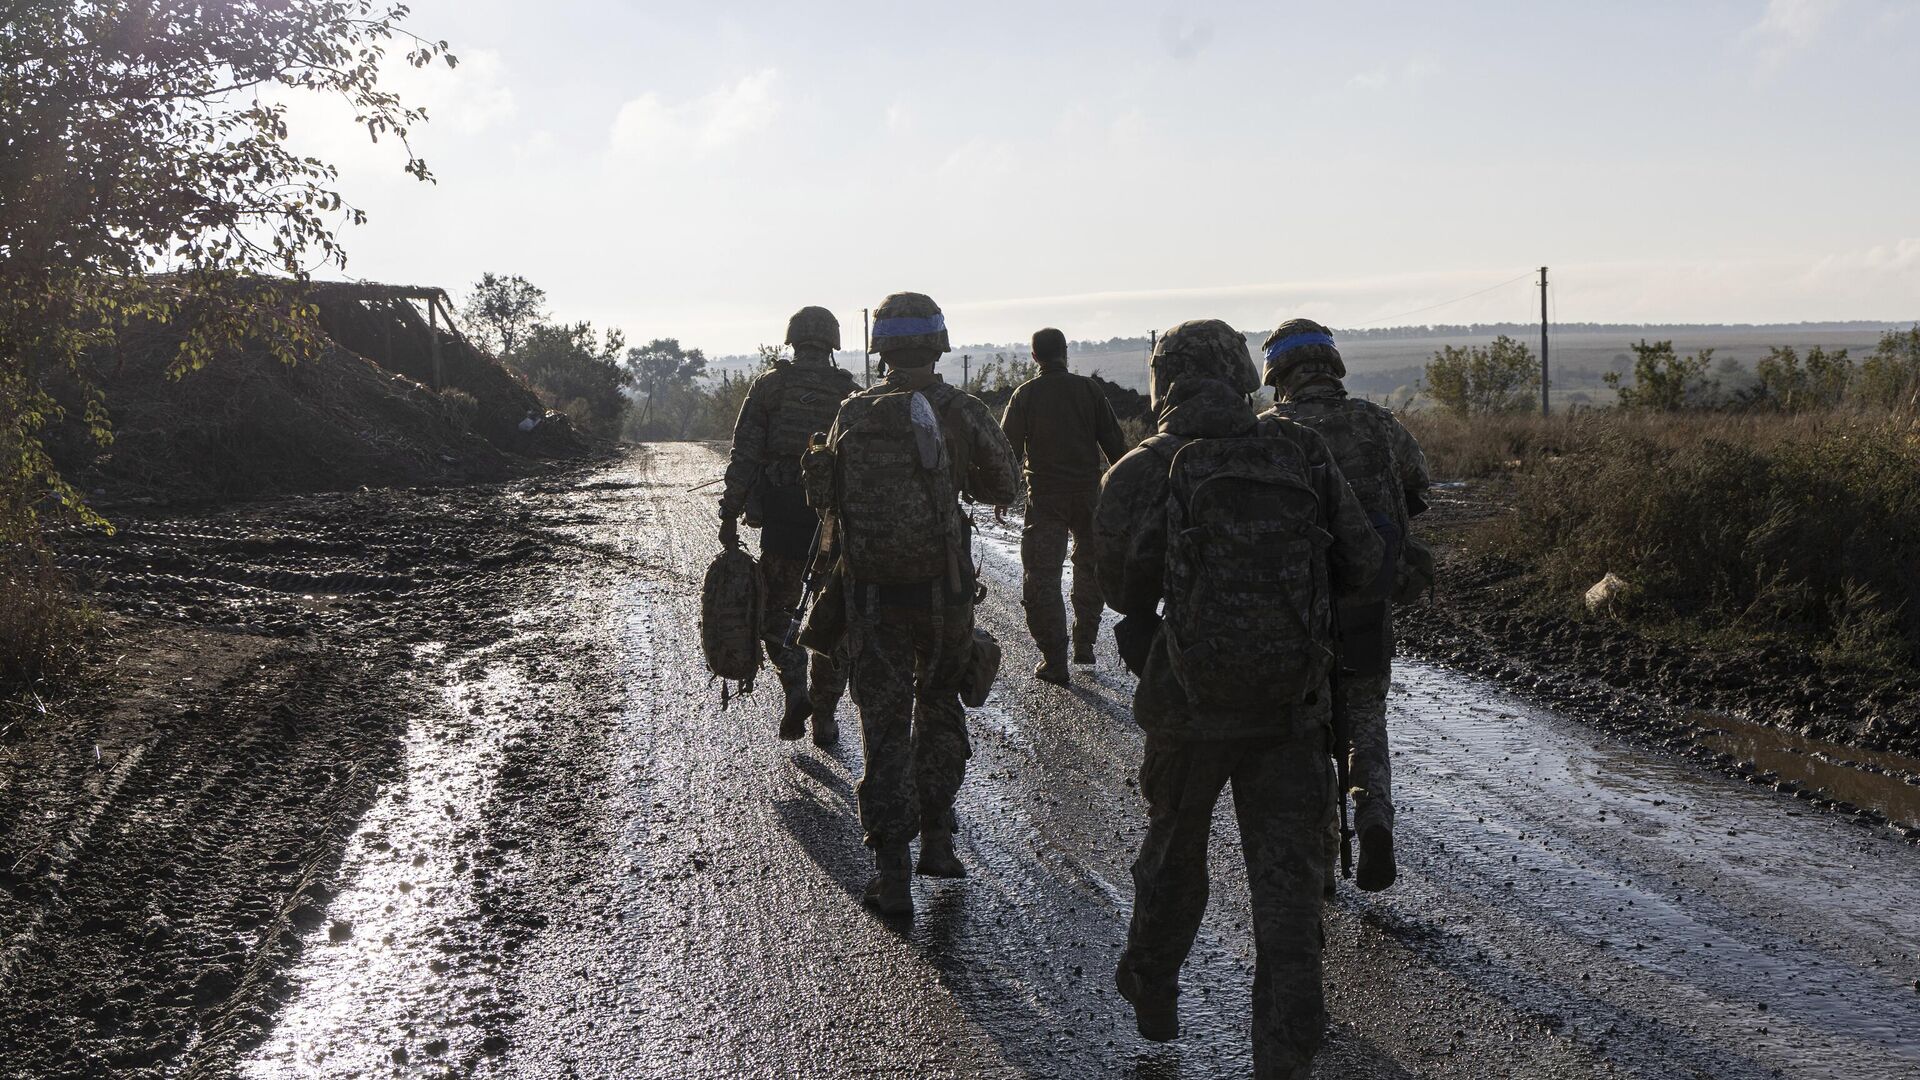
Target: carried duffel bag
[(733, 607)]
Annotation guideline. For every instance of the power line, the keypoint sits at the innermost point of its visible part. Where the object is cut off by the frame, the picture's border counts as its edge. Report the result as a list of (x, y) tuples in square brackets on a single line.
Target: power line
[(1443, 303)]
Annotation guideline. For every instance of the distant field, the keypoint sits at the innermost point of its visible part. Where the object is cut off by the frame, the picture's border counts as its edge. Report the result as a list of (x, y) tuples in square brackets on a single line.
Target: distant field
[(1381, 366)]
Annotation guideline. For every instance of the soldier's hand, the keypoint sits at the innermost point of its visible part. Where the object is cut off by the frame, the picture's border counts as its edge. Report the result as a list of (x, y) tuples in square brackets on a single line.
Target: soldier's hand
[(1000, 514), (730, 531)]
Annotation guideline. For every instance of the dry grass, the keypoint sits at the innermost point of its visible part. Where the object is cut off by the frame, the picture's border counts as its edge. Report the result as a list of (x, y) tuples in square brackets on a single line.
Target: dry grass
[(1801, 528), (43, 626)]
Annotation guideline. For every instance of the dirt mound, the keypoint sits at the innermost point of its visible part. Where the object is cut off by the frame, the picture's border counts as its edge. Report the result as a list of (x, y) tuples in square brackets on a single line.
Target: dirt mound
[(363, 410)]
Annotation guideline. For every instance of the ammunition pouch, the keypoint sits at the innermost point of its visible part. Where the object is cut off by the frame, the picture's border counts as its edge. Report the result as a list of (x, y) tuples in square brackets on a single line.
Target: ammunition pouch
[(826, 623), (1415, 575), (983, 667), (1366, 639)]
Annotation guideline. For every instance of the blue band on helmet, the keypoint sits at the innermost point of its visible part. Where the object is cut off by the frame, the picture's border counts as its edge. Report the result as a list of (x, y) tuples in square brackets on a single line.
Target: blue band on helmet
[(1288, 344), (907, 327)]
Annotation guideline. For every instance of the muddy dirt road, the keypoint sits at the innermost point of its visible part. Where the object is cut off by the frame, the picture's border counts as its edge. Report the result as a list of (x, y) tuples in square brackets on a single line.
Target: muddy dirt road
[(509, 832)]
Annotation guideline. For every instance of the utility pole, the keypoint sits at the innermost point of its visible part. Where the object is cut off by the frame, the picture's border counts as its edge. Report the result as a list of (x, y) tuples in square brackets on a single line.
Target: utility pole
[(866, 343), (1153, 342), (1544, 408), (966, 369)]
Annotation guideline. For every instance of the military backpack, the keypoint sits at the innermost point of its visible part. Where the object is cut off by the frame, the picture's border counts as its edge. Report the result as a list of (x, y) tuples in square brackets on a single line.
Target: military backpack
[(894, 496), (1248, 623), (733, 606)]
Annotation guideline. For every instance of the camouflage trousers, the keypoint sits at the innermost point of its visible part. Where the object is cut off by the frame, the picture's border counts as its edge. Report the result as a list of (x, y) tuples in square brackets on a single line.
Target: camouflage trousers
[(824, 678), (1360, 711), (1282, 797), (907, 665), (1051, 521)]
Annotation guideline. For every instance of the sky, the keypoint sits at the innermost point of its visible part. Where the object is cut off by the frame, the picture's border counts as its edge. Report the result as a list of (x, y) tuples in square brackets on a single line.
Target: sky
[(700, 171)]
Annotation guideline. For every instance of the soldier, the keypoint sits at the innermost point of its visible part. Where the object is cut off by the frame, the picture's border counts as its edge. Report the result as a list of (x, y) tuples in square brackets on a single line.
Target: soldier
[(1388, 474), (1244, 533), (905, 451), (784, 408), (1062, 426)]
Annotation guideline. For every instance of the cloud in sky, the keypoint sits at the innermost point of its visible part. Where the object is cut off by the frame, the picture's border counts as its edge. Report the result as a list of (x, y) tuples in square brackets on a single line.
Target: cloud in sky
[(649, 125), (1788, 25)]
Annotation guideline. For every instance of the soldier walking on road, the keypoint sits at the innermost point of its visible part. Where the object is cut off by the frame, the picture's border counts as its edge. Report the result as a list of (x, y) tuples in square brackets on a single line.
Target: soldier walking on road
[(1063, 428), (784, 408), (904, 452), (1245, 530), (1387, 471)]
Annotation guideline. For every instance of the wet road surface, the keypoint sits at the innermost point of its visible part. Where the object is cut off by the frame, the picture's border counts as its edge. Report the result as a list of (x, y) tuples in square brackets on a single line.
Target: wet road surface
[(585, 868)]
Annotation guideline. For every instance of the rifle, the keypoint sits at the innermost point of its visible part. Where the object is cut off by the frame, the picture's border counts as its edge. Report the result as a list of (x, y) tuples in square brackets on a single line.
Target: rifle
[(809, 587), (1341, 738)]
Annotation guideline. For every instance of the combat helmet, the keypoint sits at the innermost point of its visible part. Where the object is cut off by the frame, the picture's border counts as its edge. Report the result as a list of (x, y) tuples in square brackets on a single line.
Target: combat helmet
[(814, 326), (909, 320), (1203, 348), (1301, 345)]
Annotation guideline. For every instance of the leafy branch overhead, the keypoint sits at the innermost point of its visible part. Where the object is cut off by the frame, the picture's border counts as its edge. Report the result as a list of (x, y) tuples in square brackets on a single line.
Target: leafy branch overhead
[(147, 181)]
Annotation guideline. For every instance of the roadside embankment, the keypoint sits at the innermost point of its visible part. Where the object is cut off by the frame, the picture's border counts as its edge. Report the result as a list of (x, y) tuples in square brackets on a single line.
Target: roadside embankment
[(1766, 569)]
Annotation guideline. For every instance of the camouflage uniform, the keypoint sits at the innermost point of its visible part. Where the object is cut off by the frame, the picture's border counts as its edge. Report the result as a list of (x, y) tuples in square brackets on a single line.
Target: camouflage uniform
[(1276, 759), (1062, 427), (784, 408), (1387, 470), (910, 640)]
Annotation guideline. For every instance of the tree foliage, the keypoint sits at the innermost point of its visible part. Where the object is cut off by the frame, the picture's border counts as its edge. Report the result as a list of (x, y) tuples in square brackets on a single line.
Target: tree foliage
[(666, 379), (1664, 381), (577, 371), (1784, 382), (145, 178), (1501, 377), (1890, 376), (502, 311)]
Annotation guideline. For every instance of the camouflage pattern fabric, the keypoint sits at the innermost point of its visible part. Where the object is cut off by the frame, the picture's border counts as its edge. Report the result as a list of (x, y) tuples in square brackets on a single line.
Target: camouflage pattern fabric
[(1283, 798), (1200, 349), (824, 677), (784, 407), (1388, 469), (1051, 522), (1360, 707), (813, 325), (1130, 547), (908, 654), (907, 666)]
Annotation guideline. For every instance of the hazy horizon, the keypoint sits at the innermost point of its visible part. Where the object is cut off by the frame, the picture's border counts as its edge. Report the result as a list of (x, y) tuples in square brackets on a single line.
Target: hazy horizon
[(1108, 169)]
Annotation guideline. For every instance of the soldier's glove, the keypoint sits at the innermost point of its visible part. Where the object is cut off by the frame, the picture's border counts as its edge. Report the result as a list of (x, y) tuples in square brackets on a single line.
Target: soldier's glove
[(729, 531), (1133, 640)]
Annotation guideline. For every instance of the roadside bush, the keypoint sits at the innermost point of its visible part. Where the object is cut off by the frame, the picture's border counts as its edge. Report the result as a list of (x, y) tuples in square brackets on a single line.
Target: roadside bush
[(1805, 528), (1889, 378), (461, 407), (1502, 377), (42, 627), (1461, 447), (1665, 381)]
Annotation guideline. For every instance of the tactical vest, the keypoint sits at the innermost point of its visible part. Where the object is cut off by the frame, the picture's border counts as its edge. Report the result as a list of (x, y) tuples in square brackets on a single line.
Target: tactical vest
[(1249, 623), (804, 400), (1359, 436)]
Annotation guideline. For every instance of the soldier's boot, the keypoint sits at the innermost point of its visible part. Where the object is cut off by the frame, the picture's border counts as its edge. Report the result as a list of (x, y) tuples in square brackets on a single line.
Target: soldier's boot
[(1374, 869), (1156, 1005), (936, 855), (1053, 669), (826, 729), (1083, 645), (793, 680), (891, 891)]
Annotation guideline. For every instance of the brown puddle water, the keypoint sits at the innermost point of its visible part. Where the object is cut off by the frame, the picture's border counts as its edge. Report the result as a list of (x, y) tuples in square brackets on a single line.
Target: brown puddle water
[(1868, 779)]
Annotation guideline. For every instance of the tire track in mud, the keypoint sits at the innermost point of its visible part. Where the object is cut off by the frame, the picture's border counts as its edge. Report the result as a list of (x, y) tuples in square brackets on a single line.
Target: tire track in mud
[(607, 875)]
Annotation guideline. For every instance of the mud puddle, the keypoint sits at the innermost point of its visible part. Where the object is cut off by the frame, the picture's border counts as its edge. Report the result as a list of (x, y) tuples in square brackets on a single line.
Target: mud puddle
[(1816, 771)]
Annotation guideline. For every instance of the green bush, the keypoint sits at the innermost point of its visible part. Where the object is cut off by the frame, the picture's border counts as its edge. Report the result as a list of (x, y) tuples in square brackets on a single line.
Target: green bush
[(1503, 377)]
